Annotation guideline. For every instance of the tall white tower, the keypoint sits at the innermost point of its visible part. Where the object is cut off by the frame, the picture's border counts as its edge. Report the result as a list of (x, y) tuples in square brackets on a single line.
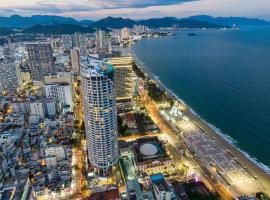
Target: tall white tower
[(99, 106), (102, 45), (75, 60)]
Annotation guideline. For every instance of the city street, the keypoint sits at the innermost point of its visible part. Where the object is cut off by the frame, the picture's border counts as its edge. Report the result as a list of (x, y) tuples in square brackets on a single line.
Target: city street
[(175, 142)]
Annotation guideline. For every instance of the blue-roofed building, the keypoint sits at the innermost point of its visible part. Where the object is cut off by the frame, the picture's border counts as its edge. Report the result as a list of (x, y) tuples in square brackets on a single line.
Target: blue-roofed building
[(161, 189)]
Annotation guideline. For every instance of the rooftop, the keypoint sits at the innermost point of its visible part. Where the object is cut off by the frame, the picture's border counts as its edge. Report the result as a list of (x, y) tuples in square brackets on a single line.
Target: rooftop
[(96, 67), (159, 181), (149, 149), (127, 164), (59, 84), (121, 61)]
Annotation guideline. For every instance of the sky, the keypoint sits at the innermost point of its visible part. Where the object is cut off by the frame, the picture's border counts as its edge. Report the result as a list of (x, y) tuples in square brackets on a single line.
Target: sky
[(136, 9)]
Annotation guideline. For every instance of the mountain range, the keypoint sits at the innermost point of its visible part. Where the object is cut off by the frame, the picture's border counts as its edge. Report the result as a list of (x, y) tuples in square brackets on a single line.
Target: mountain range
[(19, 22), (229, 21), (59, 25)]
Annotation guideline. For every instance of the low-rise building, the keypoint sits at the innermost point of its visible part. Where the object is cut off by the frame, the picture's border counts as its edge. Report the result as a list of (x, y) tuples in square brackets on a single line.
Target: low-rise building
[(9, 76), (161, 188), (150, 154), (130, 121), (49, 107), (19, 106), (135, 192), (60, 92)]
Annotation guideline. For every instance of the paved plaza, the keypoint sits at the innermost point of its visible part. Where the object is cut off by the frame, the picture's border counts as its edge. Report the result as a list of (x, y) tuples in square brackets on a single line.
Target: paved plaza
[(214, 156)]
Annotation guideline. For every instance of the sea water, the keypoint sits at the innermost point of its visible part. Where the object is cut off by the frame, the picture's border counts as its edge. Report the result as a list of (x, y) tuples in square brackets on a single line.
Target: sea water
[(223, 75)]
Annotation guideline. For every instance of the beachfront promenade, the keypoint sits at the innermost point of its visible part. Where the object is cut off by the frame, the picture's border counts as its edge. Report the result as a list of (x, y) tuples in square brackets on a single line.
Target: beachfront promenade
[(240, 174), (224, 166)]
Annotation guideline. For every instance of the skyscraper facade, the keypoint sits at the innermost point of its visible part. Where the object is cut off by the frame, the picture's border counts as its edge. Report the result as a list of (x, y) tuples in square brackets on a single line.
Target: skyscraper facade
[(124, 77), (41, 60), (99, 106), (75, 60), (102, 45), (80, 41)]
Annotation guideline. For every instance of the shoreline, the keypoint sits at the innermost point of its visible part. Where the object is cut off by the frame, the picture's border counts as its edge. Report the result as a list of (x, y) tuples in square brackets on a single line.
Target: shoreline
[(261, 171), (226, 137)]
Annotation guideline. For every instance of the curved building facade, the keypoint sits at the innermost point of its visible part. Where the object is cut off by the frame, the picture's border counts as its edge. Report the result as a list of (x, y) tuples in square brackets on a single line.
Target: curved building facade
[(99, 106)]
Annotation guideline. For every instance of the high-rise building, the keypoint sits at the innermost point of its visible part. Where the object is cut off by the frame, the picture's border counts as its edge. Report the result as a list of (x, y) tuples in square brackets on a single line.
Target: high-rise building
[(60, 92), (67, 41), (124, 77), (83, 45), (40, 59), (76, 40), (125, 34), (75, 60), (101, 42), (9, 76), (79, 40), (139, 29), (99, 106)]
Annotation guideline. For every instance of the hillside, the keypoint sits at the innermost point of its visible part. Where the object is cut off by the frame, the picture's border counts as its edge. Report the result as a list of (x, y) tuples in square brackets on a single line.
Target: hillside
[(114, 23), (58, 29), (181, 23), (230, 21)]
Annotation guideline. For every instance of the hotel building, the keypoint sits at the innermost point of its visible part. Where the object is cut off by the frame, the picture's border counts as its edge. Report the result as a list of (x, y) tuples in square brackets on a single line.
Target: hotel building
[(99, 106), (124, 77)]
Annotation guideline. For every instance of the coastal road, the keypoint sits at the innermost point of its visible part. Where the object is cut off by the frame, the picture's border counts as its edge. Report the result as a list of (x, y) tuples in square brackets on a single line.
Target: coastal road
[(137, 136), (174, 141)]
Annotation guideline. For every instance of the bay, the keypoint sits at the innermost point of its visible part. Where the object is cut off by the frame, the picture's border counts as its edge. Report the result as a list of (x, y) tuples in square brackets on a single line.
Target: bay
[(223, 75)]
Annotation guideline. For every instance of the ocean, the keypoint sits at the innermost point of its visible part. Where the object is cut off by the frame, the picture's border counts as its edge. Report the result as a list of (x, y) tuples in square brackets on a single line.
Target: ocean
[(223, 75)]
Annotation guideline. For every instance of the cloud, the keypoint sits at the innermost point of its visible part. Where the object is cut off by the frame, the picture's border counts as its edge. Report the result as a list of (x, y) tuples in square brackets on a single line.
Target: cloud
[(137, 9), (62, 6), (146, 3)]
